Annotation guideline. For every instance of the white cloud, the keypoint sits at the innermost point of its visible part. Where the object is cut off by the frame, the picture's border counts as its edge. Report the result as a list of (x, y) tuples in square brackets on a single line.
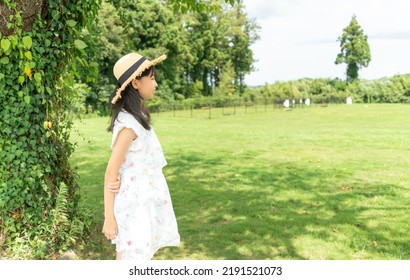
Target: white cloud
[(299, 37)]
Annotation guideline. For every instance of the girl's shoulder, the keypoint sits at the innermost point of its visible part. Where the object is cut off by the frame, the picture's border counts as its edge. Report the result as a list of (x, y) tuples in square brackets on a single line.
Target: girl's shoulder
[(125, 117), (126, 120)]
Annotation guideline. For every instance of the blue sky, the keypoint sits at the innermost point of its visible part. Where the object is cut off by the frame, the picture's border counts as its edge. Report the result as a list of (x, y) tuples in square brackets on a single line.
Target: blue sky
[(299, 37)]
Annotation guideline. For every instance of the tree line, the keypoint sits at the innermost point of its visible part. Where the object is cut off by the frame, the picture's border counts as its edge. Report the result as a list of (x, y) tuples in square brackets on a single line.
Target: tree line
[(394, 89)]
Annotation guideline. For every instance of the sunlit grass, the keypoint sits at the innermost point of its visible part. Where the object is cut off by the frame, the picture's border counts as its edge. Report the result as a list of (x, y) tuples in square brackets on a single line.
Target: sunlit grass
[(311, 183)]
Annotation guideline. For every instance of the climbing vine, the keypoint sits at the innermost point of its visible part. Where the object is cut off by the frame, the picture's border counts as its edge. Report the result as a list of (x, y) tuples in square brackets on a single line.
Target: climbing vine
[(40, 54)]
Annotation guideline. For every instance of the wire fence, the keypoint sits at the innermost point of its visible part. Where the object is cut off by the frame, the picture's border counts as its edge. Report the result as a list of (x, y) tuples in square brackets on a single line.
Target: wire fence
[(218, 107)]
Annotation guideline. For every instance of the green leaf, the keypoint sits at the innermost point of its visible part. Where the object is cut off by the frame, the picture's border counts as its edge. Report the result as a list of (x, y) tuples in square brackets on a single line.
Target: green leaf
[(27, 42), (21, 81), (20, 93), (37, 77), (4, 60), (79, 44), (5, 44), (27, 99), (28, 55), (71, 23)]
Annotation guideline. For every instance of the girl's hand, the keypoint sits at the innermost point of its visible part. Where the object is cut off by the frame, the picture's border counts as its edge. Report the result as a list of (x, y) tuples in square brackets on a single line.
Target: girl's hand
[(110, 228), (114, 187)]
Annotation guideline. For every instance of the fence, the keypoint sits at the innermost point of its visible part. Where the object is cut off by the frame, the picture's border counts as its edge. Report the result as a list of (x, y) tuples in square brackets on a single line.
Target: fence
[(217, 107)]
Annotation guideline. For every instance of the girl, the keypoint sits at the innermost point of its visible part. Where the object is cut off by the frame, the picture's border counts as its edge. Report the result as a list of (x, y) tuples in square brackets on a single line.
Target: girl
[(139, 219)]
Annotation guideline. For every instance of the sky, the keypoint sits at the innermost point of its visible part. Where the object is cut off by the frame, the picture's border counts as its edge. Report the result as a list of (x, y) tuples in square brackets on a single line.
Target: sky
[(298, 38)]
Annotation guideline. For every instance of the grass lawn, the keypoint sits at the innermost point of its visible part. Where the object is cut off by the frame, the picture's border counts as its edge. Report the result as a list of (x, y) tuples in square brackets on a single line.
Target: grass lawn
[(312, 183)]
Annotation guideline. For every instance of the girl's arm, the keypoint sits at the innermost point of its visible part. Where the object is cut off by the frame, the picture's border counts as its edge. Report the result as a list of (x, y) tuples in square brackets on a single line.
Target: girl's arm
[(120, 148)]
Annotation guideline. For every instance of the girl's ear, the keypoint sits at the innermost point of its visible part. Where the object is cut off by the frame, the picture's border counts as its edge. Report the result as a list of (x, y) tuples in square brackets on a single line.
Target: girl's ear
[(134, 83)]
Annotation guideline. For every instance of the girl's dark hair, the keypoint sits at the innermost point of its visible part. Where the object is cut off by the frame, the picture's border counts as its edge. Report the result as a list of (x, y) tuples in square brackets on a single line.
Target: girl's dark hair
[(132, 102)]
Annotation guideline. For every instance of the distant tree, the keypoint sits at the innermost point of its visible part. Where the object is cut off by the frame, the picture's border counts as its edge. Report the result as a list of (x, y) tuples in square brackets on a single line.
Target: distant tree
[(111, 41), (243, 33), (226, 81), (355, 50), (198, 36), (198, 5), (216, 37)]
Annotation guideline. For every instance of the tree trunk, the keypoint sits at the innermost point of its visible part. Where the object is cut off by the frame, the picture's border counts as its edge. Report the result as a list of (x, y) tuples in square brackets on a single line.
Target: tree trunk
[(29, 8)]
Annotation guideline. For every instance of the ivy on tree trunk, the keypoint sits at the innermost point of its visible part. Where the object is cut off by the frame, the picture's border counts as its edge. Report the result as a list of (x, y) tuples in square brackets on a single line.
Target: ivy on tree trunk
[(40, 216)]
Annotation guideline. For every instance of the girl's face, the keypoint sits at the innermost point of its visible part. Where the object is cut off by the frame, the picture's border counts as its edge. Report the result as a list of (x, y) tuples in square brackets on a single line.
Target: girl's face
[(146, 86)]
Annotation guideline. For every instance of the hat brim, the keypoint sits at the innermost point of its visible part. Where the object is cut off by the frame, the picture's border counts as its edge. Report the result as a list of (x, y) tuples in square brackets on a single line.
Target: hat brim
[(144, 66)]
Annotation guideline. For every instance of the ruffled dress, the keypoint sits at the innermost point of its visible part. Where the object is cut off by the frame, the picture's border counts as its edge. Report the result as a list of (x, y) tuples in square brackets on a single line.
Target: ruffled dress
[(143, 207)]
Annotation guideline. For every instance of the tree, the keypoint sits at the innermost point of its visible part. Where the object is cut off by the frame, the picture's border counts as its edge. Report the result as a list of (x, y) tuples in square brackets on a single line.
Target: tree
[(111, 43), (42, 45), (215, 38), (226, 86), (198, 5), (243, 33), (152, 29), (355, 50), (197, 43)]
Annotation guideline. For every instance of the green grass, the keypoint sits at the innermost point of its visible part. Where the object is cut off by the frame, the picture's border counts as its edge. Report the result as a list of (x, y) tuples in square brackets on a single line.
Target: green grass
[(313, 183)]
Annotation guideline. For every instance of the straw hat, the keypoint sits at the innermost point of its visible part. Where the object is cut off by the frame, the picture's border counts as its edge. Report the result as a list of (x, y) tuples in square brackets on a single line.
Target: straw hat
[(129, 67)]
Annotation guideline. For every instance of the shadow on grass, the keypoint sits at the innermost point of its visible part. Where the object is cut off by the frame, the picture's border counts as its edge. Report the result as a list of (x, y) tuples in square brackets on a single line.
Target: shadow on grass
[(232, 209)]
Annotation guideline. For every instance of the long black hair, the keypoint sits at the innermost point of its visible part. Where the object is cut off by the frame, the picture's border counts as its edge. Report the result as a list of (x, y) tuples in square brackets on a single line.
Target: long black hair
[(132, 102)]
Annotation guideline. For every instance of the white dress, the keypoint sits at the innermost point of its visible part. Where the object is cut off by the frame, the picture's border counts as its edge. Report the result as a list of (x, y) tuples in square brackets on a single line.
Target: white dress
[(143, 207)]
